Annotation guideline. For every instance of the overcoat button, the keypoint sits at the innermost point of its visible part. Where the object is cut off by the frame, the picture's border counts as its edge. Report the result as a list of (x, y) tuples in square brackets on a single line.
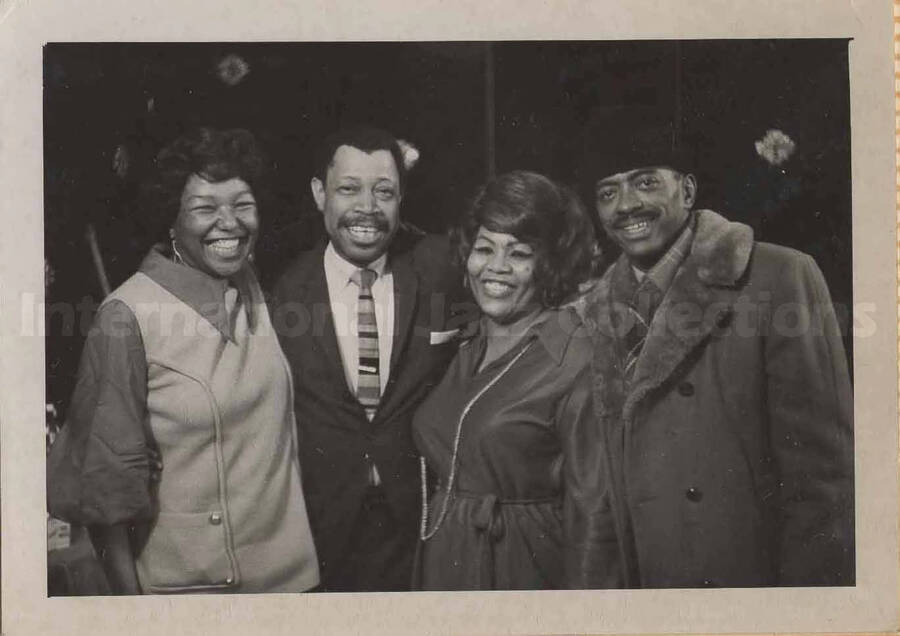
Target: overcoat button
[(709, 583), (686, 389), (693, 494), (229, 581), (215, 518)]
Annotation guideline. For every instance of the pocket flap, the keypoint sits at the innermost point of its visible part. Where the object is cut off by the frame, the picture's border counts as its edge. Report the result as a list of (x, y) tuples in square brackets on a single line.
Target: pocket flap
[(186, 551)]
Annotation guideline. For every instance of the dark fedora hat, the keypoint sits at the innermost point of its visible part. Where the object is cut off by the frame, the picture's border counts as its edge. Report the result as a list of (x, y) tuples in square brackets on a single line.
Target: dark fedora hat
[(631, 141)]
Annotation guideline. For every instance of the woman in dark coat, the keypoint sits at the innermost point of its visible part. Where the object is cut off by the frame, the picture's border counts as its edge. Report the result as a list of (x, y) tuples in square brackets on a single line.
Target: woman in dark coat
[(509, 432)]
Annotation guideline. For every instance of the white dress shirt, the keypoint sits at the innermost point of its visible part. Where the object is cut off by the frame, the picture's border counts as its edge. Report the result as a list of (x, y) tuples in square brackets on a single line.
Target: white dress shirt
[(343, 294)]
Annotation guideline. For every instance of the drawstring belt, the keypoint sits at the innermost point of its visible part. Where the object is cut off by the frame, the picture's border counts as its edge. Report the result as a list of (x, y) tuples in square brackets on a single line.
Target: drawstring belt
[(488, 523)]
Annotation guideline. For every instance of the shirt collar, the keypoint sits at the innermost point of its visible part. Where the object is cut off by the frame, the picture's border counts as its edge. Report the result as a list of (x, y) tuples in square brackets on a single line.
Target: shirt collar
[(342, 269), (200, 291), (663, 272)]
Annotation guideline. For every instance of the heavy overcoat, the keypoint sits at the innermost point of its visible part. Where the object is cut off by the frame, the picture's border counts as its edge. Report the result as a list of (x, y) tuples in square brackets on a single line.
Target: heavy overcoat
[(336, 438), (731, 451)]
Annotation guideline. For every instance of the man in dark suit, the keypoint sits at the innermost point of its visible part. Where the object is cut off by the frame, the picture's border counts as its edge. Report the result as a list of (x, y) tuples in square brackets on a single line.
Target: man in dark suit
[(364, 320)]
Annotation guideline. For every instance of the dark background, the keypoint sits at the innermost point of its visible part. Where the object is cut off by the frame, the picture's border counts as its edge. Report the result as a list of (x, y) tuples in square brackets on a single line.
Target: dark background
[(472, 109)]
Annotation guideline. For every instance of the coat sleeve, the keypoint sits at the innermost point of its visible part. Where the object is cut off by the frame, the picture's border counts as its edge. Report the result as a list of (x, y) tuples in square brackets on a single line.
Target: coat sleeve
[(810, 414), (98, 470), (591, 548)]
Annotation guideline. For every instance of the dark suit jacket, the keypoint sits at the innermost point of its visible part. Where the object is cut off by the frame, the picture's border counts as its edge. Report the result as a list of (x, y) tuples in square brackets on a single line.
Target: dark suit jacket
[(335, 435)]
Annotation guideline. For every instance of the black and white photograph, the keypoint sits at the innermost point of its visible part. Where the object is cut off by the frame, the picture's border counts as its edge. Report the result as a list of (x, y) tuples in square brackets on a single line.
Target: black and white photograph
[(536, 319)]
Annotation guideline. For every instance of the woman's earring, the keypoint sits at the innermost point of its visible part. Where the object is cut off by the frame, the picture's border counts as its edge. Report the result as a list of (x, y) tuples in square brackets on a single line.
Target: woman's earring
[(176, 256)]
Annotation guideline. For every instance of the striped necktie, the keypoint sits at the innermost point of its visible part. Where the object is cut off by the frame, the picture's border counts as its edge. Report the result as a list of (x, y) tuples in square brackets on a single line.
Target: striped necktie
[(642, 307), (368, 387)]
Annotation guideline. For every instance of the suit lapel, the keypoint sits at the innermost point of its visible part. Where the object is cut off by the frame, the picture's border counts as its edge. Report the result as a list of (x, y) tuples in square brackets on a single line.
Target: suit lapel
[(324, 337), (406, 287)]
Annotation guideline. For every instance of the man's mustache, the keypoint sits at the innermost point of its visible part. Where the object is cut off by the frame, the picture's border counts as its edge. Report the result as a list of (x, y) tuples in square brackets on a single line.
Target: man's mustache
[(375, 220), (633, 217)]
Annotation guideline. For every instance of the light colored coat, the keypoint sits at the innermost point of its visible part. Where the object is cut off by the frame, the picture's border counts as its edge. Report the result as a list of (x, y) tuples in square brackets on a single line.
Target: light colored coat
[(230, 514), (731, 455)]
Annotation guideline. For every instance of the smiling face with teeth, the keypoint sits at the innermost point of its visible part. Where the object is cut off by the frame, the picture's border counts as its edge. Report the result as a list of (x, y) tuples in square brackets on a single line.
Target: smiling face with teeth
[(360, 203), (644, 210), (500, 272), (216, 225)]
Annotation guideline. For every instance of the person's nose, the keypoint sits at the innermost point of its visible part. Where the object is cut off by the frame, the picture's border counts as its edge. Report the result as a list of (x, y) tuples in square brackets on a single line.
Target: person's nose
[(628, 200), (498, 262), (227, 218), (366, 201)]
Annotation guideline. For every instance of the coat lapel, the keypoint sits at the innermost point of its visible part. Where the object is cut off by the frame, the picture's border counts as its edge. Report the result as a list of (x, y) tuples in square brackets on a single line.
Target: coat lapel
[(706, 288), (605, 323), (674, 335), (700, 299)]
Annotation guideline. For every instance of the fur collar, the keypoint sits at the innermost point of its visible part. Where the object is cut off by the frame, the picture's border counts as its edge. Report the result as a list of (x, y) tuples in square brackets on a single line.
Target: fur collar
[(721, 249), (719, 256), (708, 280)]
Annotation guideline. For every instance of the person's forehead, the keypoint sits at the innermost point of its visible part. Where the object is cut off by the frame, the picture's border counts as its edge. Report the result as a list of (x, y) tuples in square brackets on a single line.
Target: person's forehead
[(627, 175), (496, 237), (197, 186), (348, 158)]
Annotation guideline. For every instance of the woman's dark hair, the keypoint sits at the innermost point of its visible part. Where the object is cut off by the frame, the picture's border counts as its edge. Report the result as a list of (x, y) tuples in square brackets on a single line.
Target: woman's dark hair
[(214, 155), (544, 214), (365, 138)]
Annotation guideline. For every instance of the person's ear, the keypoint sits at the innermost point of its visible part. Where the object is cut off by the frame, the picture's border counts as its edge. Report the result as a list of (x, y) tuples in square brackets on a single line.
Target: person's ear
[(318, 192), (689, 190)]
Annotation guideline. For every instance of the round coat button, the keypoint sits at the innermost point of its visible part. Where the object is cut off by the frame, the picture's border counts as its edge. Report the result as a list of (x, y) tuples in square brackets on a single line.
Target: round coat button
[(229, 580), (686, 389), (693, 494), (215, 518), (709, 583)]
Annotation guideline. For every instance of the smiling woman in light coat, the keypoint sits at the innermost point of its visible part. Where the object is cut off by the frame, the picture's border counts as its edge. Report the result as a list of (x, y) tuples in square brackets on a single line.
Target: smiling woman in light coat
[(182, 361)]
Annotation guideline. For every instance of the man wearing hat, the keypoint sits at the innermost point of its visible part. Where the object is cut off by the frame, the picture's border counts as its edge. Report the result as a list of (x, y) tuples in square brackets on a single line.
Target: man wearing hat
[(721, 385)]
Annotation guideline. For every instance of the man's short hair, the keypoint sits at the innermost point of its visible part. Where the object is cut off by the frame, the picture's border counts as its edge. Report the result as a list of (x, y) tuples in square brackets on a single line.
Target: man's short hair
[(362, 137)]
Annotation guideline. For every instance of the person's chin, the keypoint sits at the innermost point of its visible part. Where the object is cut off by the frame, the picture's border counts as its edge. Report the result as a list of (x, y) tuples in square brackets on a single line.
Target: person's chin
[(643, 250), (498, 312), (363, 254), (225, 268)]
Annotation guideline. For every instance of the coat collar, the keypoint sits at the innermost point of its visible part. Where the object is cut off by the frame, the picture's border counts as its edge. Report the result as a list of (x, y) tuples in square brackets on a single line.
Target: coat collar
[(554, 330), (702, 292), (201, 292), (721, 249)]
